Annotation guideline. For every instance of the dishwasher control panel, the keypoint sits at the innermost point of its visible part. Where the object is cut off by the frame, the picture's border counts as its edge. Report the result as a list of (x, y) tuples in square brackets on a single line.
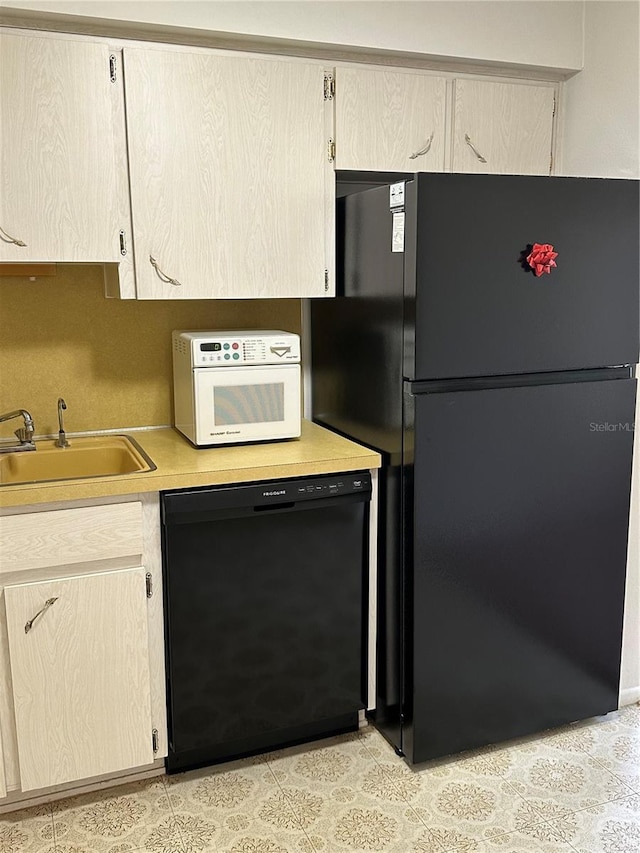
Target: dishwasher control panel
[(310, 488), (339, 485), (211, 499)]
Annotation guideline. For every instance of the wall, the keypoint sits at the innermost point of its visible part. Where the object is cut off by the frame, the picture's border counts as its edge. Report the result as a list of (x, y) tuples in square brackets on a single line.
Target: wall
[(109, 359), (516, 31), (600, 121), (600, 137)]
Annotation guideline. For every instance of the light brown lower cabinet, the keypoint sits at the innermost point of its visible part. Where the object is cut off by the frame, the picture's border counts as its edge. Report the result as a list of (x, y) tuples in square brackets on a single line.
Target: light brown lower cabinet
[(78, 649), (82, 684)]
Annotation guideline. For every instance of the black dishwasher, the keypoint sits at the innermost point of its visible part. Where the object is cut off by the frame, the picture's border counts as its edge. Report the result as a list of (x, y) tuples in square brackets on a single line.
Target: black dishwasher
[(264, 588)]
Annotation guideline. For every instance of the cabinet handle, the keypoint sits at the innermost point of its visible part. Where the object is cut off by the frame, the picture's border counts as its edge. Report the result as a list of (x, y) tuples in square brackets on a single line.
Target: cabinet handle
[(9, 239), (162, 276), (467, 139), (424, 150), (47, 605)]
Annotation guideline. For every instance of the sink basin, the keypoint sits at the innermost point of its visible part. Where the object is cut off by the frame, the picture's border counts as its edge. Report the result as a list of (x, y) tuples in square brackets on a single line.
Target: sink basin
[(86, 456)]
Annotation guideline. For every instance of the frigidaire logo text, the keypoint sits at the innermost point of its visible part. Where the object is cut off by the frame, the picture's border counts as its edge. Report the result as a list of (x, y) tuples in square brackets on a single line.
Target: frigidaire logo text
[(274, 493)]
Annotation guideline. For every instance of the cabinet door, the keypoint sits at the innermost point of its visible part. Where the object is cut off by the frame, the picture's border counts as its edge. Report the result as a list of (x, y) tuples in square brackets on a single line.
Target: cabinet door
[(388, 120), (3, 777), (231, 186), (502, 128), (57, 163), (80, 673)]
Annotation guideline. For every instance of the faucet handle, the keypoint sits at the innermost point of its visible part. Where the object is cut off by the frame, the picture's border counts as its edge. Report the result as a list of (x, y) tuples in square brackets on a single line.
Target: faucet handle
[(25, 434)]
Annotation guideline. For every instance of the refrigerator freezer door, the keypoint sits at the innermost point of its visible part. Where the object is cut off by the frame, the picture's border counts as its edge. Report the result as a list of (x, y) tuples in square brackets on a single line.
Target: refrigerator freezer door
[(515, 569), (479, 309)]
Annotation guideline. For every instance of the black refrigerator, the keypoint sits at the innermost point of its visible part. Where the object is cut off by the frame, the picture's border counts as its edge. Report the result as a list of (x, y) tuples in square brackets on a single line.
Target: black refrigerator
[(483, 340)]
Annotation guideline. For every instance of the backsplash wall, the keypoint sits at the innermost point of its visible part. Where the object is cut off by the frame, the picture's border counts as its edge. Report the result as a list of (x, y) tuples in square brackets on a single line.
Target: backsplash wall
[(109, 358)]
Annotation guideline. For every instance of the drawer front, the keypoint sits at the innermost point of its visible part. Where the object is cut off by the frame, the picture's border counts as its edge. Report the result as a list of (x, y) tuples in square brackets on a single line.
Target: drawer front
[(67, 536)]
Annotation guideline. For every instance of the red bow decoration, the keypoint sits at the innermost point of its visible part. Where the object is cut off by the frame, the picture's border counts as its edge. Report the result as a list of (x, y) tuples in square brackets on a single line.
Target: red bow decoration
[(542, 258)]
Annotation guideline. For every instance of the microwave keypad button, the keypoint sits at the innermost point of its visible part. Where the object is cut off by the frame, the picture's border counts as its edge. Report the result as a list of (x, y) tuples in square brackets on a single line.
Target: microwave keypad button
[(226, 346), (235, 345), (227, 356), (236, 355)]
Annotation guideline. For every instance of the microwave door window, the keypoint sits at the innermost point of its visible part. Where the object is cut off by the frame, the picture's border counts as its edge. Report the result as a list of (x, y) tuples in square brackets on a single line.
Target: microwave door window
[(248, 404)]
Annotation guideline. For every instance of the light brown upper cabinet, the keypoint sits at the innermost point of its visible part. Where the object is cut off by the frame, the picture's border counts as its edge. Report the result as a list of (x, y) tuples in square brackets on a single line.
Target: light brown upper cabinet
[(389, 120), (232, 189), (59, 199), (502, 128)]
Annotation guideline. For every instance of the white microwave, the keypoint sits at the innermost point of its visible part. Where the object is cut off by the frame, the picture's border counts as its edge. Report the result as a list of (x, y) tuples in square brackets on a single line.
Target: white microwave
[(231, 387)]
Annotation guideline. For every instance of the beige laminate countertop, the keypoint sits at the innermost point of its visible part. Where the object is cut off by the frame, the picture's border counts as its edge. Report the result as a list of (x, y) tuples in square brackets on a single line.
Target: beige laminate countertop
[(180, 465)]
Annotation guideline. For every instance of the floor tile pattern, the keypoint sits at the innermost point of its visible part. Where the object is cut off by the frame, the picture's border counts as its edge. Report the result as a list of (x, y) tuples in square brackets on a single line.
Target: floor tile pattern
[(573, 790)]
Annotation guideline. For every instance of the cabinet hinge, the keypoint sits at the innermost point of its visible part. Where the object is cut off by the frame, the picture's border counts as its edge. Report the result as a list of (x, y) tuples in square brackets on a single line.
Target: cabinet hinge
[(149, 584), (123, 244), (326, 281), (329, 87), (154, 739), (112, 68), (331, 150)]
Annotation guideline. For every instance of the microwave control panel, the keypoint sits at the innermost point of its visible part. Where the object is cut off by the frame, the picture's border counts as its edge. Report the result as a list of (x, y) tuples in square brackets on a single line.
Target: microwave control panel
[(237, 349)]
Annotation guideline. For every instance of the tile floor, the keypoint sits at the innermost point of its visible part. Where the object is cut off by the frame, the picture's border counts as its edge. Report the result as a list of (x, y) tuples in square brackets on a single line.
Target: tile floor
[(574, 789)]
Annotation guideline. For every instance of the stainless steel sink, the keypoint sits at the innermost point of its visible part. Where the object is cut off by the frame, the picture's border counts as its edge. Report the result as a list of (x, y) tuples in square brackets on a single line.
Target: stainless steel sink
[(86, 456)]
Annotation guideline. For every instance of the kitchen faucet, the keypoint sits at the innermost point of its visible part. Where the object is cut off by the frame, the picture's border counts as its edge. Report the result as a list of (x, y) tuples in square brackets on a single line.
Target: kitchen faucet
[(24, 434), (62, 437)]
